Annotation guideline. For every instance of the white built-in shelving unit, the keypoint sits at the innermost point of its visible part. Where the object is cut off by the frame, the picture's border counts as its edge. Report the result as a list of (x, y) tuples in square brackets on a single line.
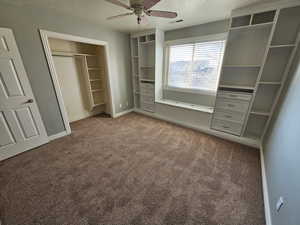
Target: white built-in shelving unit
[(260, 49), (147, 59)]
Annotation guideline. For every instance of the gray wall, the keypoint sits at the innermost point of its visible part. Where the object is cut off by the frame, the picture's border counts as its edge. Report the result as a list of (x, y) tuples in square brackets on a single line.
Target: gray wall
[(25, 23), (188, 32), (282, 153)]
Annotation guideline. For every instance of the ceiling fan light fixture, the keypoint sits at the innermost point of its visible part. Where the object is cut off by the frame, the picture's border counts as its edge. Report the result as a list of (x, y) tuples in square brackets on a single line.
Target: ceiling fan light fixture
[(141, 8)]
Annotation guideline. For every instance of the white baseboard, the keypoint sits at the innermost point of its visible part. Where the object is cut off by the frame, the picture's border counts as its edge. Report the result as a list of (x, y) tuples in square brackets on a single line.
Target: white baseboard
[(59, 135), (241, 140), (265, 189), (122, 113)]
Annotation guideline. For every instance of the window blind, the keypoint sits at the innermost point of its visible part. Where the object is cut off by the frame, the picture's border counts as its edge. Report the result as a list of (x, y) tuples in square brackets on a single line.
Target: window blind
[(195, 65)]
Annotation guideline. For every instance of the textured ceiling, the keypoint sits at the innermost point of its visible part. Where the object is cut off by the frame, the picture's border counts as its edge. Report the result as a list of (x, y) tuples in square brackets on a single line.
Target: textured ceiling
[(192, 11)]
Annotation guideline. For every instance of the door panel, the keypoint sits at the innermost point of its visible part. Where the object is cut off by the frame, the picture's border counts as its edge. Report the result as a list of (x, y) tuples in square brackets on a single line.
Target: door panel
[(26, 122), (6, 137), (21, 126), (3, 44), (9, 79)]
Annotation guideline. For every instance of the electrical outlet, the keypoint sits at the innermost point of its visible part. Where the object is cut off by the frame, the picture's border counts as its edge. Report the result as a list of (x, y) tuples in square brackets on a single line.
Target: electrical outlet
[(279, 204)]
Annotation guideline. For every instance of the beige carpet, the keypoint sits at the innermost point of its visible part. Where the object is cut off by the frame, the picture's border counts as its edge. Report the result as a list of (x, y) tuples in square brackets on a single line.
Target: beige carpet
[(132, 170)]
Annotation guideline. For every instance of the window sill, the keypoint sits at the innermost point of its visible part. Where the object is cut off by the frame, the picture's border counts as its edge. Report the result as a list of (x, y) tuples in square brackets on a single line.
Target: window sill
[(184, 105)]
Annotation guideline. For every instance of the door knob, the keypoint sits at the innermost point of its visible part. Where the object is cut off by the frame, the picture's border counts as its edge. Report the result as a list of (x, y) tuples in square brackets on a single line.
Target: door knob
[(29, 101)]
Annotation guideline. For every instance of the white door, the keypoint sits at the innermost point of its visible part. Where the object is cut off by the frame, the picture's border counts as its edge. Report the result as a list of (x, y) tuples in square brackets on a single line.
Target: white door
[(21, 126)]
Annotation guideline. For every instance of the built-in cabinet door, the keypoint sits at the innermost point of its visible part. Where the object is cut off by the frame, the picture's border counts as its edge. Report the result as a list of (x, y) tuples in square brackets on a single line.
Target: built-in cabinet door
[(21, 126)]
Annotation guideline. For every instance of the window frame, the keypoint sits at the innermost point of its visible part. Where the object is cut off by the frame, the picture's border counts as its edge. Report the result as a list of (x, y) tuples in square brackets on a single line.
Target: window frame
[(199, 39)]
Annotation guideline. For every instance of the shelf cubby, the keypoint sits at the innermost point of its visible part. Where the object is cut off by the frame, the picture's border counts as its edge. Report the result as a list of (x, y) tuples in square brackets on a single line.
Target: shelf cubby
[(92, 61), (265, 98), (147, 55), (94, 74), (151, 37), (142, 39), (252, 41), (95, 85), (147, 73), (241, 21), (263, 17), (98, 97), (240, 76), (276, 63), (287, 26), (255, 126)]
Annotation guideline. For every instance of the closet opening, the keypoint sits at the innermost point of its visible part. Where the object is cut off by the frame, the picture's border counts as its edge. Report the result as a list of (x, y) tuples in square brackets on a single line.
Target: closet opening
[(79, 69)]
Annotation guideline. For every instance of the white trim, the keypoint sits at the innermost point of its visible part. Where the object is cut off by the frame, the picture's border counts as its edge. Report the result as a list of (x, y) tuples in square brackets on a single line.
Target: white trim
[(123, 113), (205, 38), (59, 135), (268, 217), (207, 130), (45, 35)]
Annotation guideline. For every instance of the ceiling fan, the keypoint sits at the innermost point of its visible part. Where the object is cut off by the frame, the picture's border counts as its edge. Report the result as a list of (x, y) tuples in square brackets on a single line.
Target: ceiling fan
[(140, 8)]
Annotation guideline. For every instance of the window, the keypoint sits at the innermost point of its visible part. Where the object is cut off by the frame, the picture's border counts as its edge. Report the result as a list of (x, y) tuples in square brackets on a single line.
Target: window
[(195, 66)]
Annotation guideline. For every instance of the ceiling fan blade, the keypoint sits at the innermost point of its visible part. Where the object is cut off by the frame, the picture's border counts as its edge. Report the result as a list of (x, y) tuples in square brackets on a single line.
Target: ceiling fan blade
[(150, 3), (121, 15), (164, 14), (118, 3)]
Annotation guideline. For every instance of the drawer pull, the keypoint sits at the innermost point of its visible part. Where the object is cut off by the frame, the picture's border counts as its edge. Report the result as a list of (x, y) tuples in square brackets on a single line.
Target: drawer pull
[(230, 105), (225, 127), (227, 116)]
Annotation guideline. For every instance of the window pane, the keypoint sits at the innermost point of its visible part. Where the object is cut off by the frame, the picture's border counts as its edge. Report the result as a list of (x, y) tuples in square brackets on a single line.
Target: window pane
[(181, 58), (195, 66)]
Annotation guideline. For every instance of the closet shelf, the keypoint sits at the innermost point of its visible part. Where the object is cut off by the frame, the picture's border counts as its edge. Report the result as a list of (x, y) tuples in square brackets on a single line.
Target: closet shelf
[(252, 26), (282, 46), (260, 113), (147, 67), (97, 90), (236, 87), (241, 66), (147, 42), (270, 83), (95, 79), (61, 53), (148, 80), (94, 68), (98, 104)]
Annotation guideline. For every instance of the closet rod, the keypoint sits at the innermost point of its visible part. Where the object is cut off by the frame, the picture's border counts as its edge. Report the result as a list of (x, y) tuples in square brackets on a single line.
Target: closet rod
[(69, 54)]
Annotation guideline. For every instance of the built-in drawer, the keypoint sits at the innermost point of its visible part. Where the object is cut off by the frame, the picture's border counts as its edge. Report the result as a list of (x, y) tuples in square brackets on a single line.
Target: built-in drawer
[(147, 86), (232, 105), (147, 99), (226, 126), (148, 107), (147, 92), (234, 95), (237, 117)]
